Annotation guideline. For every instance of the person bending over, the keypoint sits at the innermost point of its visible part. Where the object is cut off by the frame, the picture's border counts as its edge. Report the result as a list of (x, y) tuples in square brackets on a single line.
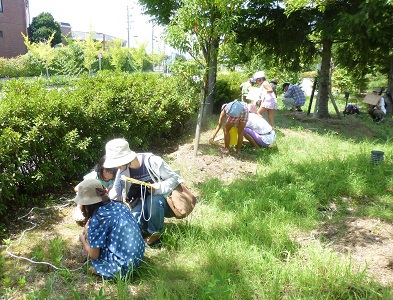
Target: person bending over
[(259, 132), (149, 205), (111, 236), (236, 114)]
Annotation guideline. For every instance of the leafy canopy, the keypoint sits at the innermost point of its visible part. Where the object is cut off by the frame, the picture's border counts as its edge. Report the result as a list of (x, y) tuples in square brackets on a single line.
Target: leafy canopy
[(43, 27)]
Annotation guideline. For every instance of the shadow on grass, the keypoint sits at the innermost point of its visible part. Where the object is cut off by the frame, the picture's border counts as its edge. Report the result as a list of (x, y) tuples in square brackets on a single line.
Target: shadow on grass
[(357, 128)]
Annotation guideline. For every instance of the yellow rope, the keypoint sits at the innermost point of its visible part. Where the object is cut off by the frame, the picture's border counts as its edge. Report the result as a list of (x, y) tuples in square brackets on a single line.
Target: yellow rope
[(129, 179)]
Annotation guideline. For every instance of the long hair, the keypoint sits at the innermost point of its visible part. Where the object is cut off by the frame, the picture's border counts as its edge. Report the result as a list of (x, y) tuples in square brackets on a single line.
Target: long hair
[(89, 210)]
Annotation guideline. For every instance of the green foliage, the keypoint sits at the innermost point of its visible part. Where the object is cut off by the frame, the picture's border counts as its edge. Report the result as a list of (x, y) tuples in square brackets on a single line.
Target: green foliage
[(228, 88), (369, 37), (259, 236), (42, 51), (42, 27), (52, 136), (23, 65), (2, 265), (272, 70), (68, 60), (57, 248), (139, 59), (91, 48)]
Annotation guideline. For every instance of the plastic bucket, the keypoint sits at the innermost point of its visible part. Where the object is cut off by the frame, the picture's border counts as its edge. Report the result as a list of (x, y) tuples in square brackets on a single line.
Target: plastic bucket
[(376, 156), (233, 136)]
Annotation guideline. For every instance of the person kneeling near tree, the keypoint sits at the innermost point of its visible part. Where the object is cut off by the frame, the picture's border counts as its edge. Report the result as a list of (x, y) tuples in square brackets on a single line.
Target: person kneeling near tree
[(259, 132), (111, 236)]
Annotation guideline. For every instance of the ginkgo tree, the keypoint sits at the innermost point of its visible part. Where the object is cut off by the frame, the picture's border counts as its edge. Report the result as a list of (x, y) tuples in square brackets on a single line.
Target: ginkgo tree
[(43, 51)]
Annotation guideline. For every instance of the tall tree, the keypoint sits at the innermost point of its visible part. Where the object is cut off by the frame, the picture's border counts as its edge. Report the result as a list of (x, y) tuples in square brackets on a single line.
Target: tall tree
[(197, 27), (91, 49), (369, 43), (43, 27), (294, 31)]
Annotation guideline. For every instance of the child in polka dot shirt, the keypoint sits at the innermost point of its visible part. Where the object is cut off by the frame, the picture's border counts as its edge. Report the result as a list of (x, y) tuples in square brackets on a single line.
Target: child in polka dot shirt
[(112, 237)]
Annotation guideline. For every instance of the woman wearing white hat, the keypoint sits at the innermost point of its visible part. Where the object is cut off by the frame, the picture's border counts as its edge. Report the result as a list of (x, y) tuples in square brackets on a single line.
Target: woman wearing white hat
[(111, 237), (149, 205)]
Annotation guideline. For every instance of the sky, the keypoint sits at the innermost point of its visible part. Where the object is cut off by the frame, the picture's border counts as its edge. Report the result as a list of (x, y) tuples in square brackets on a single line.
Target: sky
[(109, 17)]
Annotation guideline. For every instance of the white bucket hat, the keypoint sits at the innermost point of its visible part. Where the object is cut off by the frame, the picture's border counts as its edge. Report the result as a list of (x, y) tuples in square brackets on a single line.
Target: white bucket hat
[(118, 153), (87, 192), (259, 74)]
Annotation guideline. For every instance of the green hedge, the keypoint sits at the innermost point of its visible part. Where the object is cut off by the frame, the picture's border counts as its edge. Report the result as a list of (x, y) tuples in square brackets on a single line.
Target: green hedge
[(228, 88), (23, 65), (49, 136)]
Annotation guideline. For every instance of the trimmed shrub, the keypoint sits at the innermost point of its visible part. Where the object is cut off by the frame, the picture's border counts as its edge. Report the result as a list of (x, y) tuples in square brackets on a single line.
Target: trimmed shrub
[(23, 65), (52, 136), (227, 88)]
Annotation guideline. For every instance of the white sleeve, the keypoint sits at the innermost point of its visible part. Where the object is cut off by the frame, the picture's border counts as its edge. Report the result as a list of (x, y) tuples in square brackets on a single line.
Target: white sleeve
[(168, 179), (116, 191)]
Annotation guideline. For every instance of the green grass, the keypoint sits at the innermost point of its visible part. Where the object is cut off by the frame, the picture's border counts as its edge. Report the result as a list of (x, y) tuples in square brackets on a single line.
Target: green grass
[(243, 240)]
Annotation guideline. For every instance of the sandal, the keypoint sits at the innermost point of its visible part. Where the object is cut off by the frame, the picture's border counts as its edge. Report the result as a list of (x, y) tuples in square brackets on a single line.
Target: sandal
[(224, 150), (153, 239)]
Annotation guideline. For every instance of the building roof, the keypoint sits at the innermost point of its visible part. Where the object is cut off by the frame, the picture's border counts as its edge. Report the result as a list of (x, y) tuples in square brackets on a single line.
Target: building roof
[(81, 35)]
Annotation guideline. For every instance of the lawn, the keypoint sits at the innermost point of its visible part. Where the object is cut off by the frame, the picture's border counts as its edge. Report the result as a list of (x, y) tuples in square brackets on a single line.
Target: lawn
[(287, 222)]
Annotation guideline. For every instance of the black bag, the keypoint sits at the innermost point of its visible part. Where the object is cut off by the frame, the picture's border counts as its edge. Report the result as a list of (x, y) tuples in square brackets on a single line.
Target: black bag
[(134, 194), (351, 109)]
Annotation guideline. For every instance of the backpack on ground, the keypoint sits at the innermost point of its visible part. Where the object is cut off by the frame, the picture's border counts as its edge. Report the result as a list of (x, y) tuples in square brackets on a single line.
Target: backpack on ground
[(351, 109)]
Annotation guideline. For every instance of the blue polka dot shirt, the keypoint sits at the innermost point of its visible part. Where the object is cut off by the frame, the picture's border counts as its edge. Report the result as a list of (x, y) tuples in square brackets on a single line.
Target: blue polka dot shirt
[(115, 231)]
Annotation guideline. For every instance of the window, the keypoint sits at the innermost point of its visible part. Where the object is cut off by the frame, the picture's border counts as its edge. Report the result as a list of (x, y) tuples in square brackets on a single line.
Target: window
[(1, 6), (1, 33)]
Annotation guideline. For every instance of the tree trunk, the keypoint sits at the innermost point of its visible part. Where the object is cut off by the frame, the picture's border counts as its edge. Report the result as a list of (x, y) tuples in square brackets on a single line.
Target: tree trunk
[(211, 80), (324, 78), (389, 91)]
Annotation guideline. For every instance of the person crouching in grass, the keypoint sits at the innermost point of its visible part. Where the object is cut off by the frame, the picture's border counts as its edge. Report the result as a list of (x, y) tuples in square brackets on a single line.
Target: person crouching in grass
[(111, 236)]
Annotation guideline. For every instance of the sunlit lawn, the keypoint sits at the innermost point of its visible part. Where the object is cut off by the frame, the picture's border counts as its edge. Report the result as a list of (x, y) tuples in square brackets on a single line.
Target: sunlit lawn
[(241, 240)]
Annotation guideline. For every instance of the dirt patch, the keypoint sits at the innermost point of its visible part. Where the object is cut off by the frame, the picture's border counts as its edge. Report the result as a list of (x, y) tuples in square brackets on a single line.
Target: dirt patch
[(368, 241)]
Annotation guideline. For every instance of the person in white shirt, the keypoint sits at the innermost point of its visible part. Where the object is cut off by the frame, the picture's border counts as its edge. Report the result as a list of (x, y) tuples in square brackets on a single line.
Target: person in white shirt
[(259, 132), (377, 111)]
